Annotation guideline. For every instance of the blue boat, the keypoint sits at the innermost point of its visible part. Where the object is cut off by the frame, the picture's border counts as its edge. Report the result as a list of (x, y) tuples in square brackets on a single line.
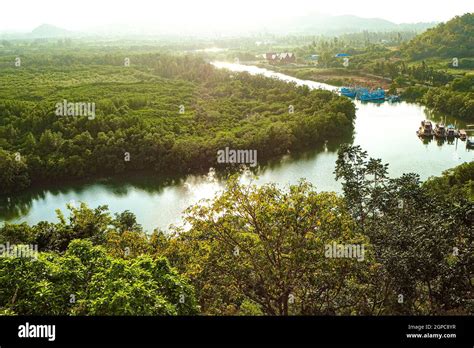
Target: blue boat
[(353, 92), (360, 91), (348, 92), (376, 95)]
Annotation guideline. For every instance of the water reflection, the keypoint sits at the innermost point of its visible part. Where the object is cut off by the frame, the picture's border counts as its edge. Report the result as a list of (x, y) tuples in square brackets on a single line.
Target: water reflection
[(146, 193)]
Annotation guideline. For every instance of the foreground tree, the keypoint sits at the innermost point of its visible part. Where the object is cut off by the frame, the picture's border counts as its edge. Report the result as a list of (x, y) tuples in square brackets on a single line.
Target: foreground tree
[(87, 281), (421, 234), (263, 250)]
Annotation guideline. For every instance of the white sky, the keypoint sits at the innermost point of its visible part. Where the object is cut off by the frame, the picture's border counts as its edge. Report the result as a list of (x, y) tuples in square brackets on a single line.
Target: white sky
[(24, 15)]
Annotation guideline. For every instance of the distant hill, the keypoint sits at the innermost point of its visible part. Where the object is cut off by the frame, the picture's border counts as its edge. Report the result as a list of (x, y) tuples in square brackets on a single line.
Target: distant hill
[(454, 38), (317, 24), (45, 31), (310, 24)]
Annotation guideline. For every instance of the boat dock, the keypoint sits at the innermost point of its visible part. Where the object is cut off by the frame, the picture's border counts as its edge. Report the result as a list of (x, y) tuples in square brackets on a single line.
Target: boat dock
[(442, 132)]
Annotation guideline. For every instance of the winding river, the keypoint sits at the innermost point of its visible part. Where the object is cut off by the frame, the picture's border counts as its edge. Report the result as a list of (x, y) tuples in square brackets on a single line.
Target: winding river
[(385, 130)]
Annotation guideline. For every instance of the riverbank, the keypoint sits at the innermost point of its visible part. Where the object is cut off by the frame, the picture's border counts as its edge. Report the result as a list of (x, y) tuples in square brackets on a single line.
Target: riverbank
[(453, 99), (332, 76)]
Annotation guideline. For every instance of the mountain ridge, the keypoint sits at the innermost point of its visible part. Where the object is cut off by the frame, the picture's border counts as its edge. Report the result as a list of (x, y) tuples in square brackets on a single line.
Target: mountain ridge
[(312, 24)]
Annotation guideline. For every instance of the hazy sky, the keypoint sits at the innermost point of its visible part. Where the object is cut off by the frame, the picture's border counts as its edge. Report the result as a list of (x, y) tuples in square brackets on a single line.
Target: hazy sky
[(24, 15)]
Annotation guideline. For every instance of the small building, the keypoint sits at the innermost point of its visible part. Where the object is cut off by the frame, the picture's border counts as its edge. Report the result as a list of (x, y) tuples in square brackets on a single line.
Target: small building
[(270, 56), (280, 58)]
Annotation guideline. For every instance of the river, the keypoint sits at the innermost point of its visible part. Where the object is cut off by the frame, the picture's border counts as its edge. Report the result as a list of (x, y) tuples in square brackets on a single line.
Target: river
[(385, 131)]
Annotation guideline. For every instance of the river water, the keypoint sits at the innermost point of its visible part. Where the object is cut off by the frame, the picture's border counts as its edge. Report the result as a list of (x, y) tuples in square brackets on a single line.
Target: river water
[(385, 131)]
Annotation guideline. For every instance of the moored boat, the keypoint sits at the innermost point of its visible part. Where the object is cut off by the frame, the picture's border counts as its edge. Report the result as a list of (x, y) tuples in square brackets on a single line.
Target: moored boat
[(426, 129), (440, 131), (376, 95), (348, 92), (451, 132)]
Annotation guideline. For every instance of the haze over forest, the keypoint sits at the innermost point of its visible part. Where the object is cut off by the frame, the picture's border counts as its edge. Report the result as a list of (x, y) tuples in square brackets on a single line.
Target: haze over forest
[(210, 18)]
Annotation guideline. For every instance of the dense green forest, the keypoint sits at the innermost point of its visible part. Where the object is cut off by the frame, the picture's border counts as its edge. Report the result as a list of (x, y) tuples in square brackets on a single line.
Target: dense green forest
[(261, 251), (448, 51), (456, 99), (451, 39), (162, 113)]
